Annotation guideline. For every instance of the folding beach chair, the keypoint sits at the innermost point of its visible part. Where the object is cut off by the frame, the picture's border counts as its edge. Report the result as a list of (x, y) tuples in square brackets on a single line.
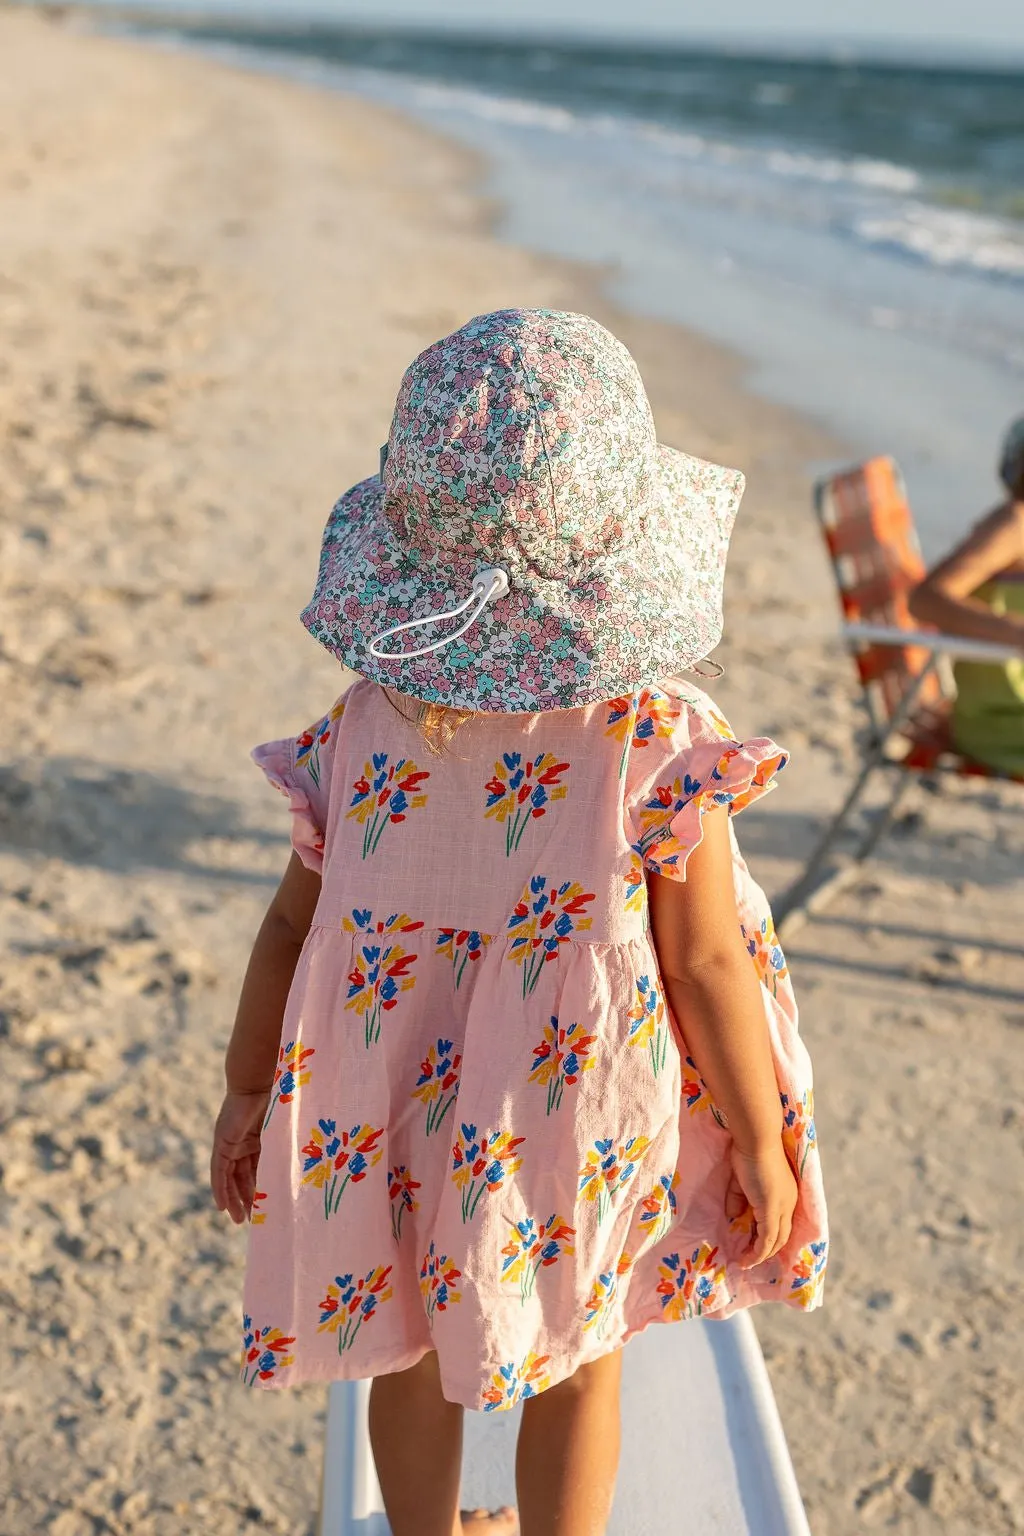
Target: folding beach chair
[(738, 1480), (904, 671)]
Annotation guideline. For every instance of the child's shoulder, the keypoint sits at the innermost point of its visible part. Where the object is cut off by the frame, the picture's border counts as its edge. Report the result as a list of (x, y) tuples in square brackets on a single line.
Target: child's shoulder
[(687, 707)]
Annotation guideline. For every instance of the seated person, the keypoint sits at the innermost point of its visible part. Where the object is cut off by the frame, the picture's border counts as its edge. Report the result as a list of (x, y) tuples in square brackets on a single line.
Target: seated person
[(978, 591)]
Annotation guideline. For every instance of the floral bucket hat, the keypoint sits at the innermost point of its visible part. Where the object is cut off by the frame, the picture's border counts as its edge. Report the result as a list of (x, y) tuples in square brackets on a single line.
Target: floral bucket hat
[(528, 544)]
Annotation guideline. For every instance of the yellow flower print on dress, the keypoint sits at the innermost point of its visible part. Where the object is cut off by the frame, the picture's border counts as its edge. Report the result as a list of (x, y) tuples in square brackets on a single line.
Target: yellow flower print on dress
[(560, 1059), (481, 1163), (384, 795), (381, 972), (602, 1296), (640, 718), (799, 1135), (636, 885), (522, 790), (609, 1168), (438, 1283), (694, 1091), (545, 917), (264, 1353), (350, 1303), (809, 1274), (766, 952), (438, 1083), (307, 746), (290, 1074), (692, 1285), (533, 1246), (333, 1159), (510, 1383), (258, 1212), (648, 1023), (658, 1209)]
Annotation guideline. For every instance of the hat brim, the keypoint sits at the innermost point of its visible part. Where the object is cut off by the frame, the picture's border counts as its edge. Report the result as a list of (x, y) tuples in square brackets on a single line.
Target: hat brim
[(651, 608)]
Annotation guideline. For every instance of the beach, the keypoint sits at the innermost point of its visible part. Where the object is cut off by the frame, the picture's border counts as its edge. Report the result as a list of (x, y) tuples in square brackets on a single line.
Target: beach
[(210, 284)]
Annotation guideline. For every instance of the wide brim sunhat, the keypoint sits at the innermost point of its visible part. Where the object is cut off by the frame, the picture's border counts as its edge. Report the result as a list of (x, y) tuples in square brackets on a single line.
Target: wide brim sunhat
[(528, 544)]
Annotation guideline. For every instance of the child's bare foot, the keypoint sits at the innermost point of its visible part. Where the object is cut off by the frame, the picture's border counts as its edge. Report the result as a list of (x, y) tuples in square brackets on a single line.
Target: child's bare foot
[(490, 1522)]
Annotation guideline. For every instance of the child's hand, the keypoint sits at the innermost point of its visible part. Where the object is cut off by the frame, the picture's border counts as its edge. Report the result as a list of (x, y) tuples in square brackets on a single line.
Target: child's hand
[(765, 1182), (236, 1150)]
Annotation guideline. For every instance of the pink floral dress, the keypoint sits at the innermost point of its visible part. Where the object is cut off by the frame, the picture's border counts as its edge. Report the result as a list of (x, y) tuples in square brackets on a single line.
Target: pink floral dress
[(486, 1136)]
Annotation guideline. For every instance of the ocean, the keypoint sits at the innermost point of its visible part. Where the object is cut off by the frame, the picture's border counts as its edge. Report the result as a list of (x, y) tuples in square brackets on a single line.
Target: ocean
[(854, 230)]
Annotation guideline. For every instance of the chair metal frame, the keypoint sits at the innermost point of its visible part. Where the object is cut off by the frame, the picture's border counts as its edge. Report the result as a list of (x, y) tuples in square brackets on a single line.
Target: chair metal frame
[(900, 668)]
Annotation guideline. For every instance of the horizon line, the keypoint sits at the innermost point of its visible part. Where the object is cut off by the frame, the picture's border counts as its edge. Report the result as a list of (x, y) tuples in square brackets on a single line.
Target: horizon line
[(869, 49)]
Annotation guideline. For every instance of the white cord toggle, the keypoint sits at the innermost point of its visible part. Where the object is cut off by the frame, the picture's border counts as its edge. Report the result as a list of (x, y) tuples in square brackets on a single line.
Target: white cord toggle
[(488, 586)]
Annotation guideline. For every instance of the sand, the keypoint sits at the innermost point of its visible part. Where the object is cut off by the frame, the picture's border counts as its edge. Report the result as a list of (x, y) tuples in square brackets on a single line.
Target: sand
[(209, 286)]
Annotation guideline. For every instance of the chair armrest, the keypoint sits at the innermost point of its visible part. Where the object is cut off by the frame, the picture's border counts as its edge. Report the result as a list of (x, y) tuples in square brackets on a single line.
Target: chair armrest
[(930, 640)]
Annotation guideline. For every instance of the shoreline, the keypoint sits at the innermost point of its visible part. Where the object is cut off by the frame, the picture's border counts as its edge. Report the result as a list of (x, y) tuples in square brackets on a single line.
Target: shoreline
[(814, 317), (210, 283)]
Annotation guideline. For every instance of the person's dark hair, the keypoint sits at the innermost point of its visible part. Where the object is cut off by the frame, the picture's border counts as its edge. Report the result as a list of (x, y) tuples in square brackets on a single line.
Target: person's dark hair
[(1011, 461)]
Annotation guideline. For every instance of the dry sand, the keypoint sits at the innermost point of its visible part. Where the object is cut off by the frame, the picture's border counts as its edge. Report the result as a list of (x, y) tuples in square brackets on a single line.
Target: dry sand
[(209, 286)]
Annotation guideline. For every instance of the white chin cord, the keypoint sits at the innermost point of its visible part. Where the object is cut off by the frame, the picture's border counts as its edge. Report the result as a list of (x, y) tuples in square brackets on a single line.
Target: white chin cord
[(488, 586)]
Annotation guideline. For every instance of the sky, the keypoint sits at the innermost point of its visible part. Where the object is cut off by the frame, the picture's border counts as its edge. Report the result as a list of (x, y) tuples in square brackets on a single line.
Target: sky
[(917, 26)]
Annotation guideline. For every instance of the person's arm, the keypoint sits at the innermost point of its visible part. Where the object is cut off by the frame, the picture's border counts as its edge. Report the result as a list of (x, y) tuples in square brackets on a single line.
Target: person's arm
[(715, 996), (253, 1049), (944, 597)]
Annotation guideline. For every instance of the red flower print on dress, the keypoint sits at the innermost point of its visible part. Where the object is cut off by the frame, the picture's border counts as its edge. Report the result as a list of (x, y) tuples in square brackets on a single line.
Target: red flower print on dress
[(381, 972), (640, 718), (809, 1274), (511, 1384), (660, 810), (658, 1209), (544, 918), (401, 1187), (602, 1296), (290, 1074), (799, 1136), (766, 952), (695, 1093), (384, 795), (609, 1168), (648, 1024), (264, 1353), (560, 1059), (257, 1212), (636, 885), (307, 746), (351, 1303), (533, 1246), (438, 1283), (480, 1164), (461, 946), (333, 1159), (691, 1285), (522, 790), (438, 1083)]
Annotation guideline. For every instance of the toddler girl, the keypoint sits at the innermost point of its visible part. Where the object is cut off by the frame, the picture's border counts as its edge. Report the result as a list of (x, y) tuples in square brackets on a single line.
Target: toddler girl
[(516, 1070)]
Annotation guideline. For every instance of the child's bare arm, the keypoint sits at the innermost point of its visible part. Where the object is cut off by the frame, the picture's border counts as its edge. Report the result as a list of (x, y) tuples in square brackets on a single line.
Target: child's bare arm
[(715, 995), (713, 988), (252, 1052)]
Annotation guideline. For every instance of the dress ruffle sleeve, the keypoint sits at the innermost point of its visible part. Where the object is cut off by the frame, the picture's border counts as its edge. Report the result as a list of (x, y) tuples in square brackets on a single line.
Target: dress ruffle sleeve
[(300, 767), (684, 761)]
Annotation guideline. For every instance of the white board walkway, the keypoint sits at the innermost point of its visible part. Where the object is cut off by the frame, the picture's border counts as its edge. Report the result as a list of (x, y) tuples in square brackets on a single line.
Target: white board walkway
[(703, 1447)]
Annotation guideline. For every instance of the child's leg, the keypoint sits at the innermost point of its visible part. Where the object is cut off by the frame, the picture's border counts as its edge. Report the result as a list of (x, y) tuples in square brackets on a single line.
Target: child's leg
[(569, 1453), (416, 1435)]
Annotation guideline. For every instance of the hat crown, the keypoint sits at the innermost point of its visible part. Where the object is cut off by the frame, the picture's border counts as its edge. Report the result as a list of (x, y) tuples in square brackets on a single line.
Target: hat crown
[(524, 439)]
